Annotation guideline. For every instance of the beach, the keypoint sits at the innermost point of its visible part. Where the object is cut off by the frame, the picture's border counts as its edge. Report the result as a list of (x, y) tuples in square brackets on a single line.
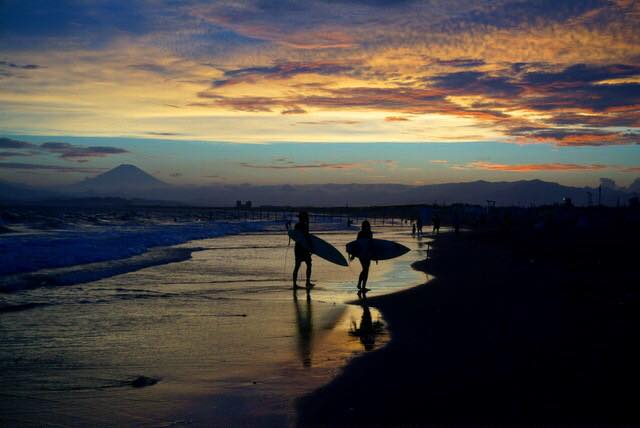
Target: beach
[(512, 329), (214, 337)]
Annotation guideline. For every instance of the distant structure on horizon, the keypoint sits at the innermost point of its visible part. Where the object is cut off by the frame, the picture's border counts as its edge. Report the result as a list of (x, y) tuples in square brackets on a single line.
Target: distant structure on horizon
[(246, 205)]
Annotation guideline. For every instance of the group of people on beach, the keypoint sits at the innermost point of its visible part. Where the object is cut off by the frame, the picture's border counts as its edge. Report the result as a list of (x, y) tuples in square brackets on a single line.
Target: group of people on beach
[(303, 255)]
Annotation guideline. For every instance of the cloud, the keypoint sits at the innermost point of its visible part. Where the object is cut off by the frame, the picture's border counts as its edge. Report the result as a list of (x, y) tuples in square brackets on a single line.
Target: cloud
[(284, 163), (56, 168), (330, 122), (164, 134), (279, 71), (461, 62), (396, 119), (8, 143), (439, 161), (20, 66), (80, 153), (558, 167), (499, 66), (476, 83), (293, 110), (63, 150), (578, 137)]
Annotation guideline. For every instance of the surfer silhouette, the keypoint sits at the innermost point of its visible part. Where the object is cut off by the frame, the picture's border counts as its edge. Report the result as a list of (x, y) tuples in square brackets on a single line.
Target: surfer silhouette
[(302, 254), (365, 260)]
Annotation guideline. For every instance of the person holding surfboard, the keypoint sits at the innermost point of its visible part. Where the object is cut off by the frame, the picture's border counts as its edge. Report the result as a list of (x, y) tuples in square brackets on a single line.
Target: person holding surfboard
[(365, 259), (302, 252)]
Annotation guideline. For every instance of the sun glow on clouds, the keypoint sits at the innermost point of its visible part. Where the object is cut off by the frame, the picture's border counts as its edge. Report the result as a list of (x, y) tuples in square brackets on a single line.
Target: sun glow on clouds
[(560, 73)]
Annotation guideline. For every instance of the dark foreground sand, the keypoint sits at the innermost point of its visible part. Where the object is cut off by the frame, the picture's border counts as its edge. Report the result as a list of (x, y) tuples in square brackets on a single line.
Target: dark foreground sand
[(509, 331)]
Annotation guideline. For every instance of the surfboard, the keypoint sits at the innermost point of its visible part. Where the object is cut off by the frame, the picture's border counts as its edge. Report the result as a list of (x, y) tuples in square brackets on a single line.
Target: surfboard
[(376, 249), (319, 247)]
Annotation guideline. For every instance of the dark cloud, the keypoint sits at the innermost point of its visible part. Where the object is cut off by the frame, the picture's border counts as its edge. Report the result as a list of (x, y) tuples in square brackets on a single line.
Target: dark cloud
[(283, 70), (578, 137), (476, 83), (293, 110), (8, 143), (20, 66), (164, 134), (461, 62), (581, 73), (521, 13), (64, 150), (57, 168), (69, 151)]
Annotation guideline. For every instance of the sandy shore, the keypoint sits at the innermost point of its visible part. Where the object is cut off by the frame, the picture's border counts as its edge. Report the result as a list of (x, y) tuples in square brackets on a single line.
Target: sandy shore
[(508, 332)]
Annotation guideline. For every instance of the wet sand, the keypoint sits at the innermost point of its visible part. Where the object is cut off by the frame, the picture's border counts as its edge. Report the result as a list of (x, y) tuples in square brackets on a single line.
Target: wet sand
[(222, 333), (501, 335)]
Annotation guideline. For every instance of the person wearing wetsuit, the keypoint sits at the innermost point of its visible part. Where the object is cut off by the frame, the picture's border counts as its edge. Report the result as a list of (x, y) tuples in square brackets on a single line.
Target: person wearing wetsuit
[(301, 251), (365, 261)]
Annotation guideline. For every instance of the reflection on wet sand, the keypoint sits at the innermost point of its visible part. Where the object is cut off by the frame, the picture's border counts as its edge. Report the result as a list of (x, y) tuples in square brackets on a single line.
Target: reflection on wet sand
[(305, 327), (368, 329)]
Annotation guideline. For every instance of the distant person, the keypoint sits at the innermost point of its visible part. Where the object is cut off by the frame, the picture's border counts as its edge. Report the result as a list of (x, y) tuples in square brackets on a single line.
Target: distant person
[(436, 224), (413, 229), (419, 226), (456, 223), (365, 261), (301, 252)]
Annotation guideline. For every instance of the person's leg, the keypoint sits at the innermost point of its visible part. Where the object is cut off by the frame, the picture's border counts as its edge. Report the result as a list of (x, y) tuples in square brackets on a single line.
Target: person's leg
[(295, 272), (361, 275), (365, 273), (308, 262)]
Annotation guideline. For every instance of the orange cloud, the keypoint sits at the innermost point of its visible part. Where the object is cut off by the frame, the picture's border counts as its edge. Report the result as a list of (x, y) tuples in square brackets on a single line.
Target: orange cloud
[(489, 166)]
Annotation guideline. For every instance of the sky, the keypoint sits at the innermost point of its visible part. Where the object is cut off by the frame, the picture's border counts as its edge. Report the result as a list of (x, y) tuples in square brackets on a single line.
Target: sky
[(340, 91)]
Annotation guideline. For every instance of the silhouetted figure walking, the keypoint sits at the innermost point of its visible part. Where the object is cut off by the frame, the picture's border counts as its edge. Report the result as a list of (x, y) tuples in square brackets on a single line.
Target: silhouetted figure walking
[(365, 260), (419, 226), (301, 252), (436, 225), (413, 229)]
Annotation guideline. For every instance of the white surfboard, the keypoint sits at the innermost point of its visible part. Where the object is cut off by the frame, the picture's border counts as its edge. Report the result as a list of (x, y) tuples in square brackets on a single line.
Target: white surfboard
[(319, 247), (376, 249)]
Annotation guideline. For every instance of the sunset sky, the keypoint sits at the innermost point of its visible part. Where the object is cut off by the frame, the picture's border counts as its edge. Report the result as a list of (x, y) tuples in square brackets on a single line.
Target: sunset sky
[(412, 92)]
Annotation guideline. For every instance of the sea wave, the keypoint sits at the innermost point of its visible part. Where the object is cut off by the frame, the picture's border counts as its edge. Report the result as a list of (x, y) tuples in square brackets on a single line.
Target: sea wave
[(34, 252)]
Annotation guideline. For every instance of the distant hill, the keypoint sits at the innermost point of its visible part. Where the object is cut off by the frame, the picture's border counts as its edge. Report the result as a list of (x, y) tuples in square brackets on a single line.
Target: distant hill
[(20, 192), (122, 181), (130, 182), (522, 193)]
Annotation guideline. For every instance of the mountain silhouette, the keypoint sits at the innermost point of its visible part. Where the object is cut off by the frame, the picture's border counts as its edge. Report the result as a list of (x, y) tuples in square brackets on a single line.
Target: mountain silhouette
[(123, 180), (129, 181)]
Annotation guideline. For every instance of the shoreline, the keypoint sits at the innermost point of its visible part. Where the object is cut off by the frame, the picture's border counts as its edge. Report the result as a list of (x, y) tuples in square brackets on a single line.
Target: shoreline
[(494, 338)]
